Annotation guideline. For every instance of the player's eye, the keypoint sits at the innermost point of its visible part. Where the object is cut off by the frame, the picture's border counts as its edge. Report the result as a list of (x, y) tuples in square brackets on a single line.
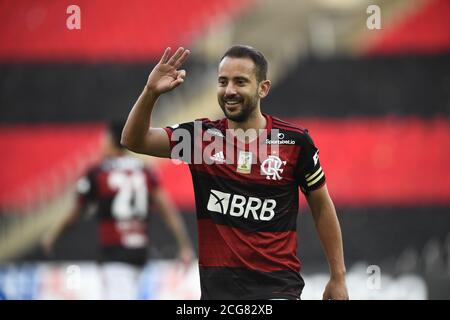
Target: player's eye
[(241, 82)]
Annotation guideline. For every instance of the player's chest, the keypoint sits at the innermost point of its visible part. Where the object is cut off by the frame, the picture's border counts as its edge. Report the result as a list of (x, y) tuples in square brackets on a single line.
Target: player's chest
[(263, 163)]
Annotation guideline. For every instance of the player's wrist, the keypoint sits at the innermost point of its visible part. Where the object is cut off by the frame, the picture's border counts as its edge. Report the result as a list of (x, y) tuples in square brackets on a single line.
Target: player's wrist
[(338, 275), (150, 92)]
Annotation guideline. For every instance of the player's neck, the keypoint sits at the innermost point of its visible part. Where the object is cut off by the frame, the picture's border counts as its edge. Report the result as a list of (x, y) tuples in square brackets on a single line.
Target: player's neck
[(255, 121)]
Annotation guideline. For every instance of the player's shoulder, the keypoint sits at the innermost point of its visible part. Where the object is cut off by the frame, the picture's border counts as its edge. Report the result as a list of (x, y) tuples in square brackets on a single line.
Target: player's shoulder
[(201, 122), (287, 126), (122, 163), (292, 131), (94, 170), (208, 123), (215, 127), (88, 178)]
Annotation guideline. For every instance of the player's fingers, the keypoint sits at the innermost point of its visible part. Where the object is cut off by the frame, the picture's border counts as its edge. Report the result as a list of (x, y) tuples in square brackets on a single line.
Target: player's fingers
[(165, 55), (182, 59), (176, 83), (176, 56), (181, 74)]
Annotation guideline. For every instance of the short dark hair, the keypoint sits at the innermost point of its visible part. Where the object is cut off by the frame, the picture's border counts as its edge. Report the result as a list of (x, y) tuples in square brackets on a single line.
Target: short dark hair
[(243, 51), (115, 129)]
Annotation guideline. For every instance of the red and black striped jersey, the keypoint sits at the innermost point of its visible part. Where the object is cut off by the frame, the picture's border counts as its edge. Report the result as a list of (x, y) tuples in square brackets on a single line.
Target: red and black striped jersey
[(247, 204), (120, 189)]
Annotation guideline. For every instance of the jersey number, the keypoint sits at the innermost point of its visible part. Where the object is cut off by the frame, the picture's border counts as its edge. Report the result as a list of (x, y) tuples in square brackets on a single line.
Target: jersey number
[(131, 198)]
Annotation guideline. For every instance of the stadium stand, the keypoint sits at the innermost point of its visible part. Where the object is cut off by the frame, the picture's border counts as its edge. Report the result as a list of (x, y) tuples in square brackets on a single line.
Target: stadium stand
[(42, 160)]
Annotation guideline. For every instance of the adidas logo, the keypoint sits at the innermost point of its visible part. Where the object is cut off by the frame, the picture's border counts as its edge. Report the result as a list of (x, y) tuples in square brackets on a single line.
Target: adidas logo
[(218, 157)]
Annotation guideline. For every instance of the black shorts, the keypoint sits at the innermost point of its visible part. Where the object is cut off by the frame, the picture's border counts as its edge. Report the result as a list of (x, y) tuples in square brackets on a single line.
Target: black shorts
[(137, 257)]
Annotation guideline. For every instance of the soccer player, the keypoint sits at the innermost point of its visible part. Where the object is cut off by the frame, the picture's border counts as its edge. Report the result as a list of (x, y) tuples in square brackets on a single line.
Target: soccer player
[(122, 189), (246, 204)]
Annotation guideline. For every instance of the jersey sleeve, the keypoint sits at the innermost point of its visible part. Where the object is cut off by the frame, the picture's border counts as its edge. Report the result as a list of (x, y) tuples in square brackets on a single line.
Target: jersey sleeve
[(309, 173), (86, 189), (182, 139)]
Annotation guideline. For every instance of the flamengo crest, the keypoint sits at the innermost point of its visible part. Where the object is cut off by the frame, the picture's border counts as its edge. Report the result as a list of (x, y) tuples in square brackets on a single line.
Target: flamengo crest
[(271, 167)]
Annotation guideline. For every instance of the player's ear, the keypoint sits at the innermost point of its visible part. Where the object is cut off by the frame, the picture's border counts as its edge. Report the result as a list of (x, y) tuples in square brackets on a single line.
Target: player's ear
[(264, 87)]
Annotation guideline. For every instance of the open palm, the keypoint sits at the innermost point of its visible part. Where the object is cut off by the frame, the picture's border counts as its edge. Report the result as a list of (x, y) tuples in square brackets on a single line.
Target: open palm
[(166, 76)]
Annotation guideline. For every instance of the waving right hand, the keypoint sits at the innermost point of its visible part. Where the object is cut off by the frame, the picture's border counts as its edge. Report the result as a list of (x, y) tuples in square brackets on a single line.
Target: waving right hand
[(165, 76)]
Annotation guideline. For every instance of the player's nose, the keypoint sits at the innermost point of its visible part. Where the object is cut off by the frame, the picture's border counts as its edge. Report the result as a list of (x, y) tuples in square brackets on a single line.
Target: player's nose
[(230, 90)]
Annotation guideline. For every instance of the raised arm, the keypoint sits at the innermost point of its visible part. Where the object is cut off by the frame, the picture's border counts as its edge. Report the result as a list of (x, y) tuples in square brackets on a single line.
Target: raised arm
[(137, 134), (329, 231)]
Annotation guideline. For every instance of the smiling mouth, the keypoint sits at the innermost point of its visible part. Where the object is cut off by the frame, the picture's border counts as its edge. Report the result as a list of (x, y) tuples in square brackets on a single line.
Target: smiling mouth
[(232, 104)]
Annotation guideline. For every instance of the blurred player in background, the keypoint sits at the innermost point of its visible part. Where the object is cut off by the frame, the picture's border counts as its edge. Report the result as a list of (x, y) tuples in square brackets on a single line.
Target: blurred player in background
[(246, 210), (122, 188)]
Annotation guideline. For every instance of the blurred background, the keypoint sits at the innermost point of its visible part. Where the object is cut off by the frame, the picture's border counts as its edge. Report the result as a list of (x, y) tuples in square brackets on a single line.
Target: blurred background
[(374, 94)]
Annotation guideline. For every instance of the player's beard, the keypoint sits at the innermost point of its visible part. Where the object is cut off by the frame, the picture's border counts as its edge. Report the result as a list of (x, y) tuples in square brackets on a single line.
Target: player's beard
[(247, 106)]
